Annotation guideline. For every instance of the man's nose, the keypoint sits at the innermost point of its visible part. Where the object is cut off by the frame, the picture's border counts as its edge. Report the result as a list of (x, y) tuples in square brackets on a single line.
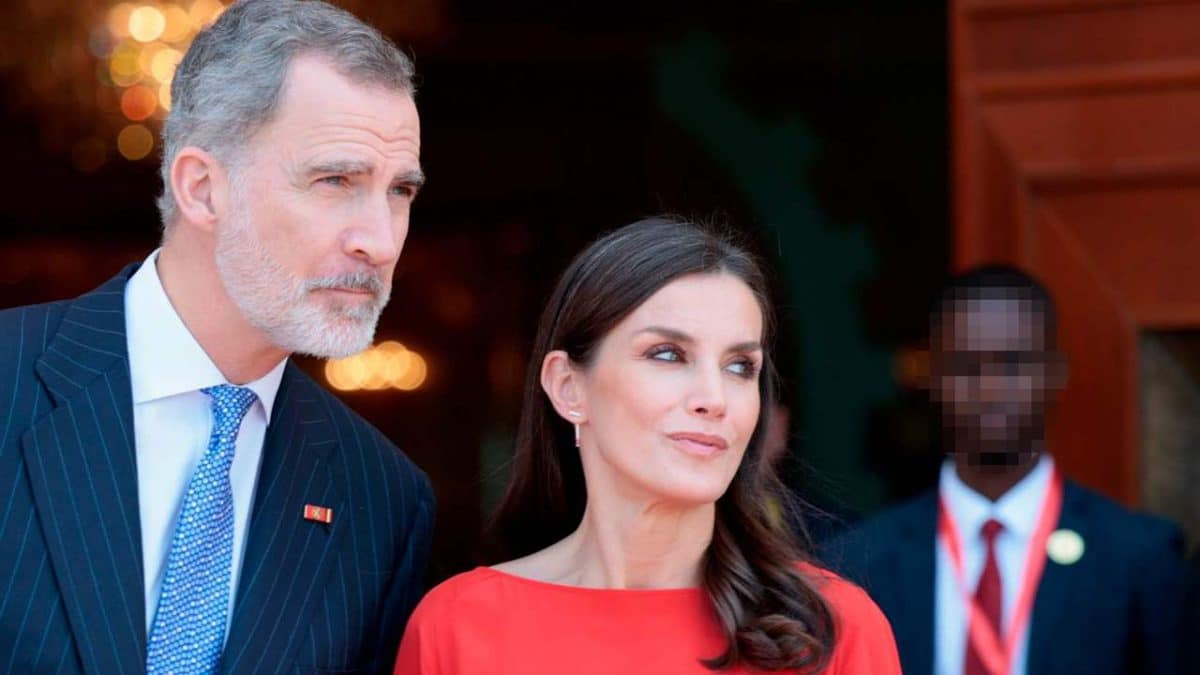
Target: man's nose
[(377, 234)]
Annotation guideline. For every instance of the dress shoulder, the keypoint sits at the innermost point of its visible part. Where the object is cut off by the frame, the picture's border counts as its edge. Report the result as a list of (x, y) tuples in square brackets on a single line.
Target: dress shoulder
[(461, 603), (864, 641), (469, 592)]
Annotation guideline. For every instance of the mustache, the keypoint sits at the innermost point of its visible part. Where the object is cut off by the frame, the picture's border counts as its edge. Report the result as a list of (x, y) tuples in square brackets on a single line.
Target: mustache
[(358, 281)]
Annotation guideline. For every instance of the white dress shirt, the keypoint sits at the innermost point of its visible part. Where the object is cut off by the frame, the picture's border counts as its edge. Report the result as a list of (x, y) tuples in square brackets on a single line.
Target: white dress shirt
[(1018, 511), (172, 421)]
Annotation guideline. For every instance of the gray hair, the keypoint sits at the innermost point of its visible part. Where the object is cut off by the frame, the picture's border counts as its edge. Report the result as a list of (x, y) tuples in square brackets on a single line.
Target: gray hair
[(228, 84)]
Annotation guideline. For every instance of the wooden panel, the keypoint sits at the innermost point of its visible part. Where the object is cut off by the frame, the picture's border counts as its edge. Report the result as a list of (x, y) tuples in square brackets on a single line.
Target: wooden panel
[(1077, 154), (1156, 274), (1030, 38), (1096, 418), (1106, 131)]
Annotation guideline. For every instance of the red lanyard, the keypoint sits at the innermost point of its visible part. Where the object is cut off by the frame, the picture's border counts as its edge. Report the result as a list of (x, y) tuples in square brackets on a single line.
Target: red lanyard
[(997, 656)]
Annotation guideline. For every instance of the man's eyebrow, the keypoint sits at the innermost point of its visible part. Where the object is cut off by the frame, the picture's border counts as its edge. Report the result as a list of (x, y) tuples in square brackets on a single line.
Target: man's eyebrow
[(345, 167), (414, 178), (680, 336)]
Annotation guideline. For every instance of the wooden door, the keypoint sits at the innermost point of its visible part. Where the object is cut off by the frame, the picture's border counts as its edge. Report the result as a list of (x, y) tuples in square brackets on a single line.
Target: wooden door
[(1076, 153)]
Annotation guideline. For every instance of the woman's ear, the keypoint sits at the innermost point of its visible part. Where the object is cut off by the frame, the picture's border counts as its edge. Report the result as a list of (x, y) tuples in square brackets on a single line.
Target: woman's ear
[(563, 384)]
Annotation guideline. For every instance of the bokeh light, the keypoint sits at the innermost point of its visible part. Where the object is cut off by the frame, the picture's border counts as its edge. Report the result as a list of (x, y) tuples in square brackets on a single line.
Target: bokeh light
[(162, 64), (147, 23), (89, 154), (415, 376), (141, 45), (118, 19), (146, 54), (138, 102), (101, 42), (164, 95), (135, 142), (123, 65), (178, 26), (388, 365), (204, 12)]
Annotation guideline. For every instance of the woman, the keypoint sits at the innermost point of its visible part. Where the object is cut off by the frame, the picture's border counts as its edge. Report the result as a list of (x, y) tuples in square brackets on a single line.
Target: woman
[(636, 507)]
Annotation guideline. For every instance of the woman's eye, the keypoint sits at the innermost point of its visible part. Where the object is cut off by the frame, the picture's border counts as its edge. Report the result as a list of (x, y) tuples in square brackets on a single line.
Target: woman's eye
[(665, 354), (745, 369)]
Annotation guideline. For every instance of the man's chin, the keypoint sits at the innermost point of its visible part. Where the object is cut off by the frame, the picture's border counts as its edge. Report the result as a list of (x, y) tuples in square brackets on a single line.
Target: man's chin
[(336, 338), (999, 460)]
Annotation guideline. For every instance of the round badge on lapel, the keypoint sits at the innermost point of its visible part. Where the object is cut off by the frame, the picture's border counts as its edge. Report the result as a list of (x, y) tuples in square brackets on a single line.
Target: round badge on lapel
[(1065, 547)]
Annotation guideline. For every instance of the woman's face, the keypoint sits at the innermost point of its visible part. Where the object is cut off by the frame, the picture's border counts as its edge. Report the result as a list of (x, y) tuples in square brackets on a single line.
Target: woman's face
[(672, 393)]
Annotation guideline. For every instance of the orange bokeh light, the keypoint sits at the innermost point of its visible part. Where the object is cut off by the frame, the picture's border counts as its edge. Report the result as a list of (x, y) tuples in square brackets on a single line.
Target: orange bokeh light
[(135, 142), (138, 102)]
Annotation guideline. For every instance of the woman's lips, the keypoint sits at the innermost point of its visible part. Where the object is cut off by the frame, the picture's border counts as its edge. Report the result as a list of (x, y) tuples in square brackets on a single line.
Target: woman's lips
[(697, 443)]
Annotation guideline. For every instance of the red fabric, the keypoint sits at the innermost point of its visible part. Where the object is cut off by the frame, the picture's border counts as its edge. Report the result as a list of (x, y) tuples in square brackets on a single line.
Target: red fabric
[(989, 595), (486, 621)]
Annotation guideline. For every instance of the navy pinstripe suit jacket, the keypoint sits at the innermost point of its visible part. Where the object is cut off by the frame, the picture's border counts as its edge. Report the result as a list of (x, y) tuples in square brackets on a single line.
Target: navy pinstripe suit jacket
[(312, 597)]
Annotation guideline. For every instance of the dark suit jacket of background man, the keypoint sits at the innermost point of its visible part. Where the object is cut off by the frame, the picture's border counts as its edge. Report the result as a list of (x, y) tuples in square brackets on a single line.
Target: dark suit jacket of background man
[(312, 597), (1191, 624), (1115, 611)]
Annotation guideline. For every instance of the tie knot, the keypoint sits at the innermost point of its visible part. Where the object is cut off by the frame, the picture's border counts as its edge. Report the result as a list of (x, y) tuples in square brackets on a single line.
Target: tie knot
[(230, 404), (990, 529)]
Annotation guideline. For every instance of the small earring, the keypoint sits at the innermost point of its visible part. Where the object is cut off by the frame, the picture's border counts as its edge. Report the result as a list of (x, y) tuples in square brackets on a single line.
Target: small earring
[(575, 413)]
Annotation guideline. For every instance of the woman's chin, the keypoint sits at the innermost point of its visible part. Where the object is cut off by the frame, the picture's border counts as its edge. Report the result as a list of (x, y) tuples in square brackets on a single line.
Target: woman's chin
[(696, 491)]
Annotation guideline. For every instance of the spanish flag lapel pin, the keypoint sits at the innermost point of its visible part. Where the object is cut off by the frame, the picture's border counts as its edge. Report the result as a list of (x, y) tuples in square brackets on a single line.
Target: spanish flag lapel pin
[(320, 514)]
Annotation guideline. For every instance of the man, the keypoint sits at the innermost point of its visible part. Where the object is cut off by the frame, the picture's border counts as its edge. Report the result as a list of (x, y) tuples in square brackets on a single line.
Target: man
[(1006, 568), (178, 497), (1191, 636)]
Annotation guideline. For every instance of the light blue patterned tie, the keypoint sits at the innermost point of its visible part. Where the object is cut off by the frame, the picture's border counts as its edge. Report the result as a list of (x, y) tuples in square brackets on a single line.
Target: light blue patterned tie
[(188, 632)]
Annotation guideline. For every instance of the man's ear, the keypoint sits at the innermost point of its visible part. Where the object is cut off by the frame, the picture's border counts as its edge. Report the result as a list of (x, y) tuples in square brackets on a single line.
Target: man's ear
[(200, 184), (563, 384)]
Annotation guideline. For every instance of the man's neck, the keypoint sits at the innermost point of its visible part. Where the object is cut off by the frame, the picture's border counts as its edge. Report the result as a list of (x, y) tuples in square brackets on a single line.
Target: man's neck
[(994, 482), (196, 292)]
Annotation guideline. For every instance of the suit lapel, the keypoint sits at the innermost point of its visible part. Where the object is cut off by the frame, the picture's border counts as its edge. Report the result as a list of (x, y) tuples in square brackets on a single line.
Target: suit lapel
[(83, 475), (916, 583), (1057, 587), (287, 556)]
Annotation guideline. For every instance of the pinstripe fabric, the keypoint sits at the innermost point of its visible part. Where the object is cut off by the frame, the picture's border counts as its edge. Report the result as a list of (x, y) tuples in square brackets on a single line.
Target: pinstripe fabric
[(312, 597)]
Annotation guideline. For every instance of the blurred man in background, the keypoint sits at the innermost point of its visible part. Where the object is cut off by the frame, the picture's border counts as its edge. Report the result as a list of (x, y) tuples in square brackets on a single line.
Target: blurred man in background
[(178, 496), (1007, 568)]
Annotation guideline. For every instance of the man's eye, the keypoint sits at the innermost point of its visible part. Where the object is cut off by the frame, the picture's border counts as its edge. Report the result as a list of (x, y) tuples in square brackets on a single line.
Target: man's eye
[(403, 190), (333, 180)]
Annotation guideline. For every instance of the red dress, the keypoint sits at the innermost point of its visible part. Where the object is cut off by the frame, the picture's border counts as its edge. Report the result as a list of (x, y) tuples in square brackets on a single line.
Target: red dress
[(494, 623)]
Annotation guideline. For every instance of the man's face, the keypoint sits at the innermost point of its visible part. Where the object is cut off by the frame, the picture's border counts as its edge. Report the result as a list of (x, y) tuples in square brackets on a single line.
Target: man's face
[(318, 211), (993, 373)]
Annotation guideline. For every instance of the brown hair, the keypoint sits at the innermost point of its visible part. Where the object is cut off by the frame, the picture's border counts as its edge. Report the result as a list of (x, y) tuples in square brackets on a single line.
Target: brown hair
[(772, 615)]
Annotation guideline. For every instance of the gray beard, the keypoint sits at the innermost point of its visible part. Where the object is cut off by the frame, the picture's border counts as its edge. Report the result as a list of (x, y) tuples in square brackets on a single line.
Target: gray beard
[(282, 306)]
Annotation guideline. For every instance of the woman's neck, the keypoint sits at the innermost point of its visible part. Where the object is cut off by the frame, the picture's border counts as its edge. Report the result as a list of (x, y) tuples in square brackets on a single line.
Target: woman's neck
[(625, 544)]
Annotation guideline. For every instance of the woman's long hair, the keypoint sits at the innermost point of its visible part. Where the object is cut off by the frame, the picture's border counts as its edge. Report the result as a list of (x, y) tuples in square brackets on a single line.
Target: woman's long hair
[(772, 615)]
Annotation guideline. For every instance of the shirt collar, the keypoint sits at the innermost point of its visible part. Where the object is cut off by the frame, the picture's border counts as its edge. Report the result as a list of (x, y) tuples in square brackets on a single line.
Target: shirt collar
[(1017, 510), (164, 357)]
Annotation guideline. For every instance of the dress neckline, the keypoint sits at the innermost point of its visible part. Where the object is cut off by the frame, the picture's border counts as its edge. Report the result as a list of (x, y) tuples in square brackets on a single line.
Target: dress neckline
[(685, 591)]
